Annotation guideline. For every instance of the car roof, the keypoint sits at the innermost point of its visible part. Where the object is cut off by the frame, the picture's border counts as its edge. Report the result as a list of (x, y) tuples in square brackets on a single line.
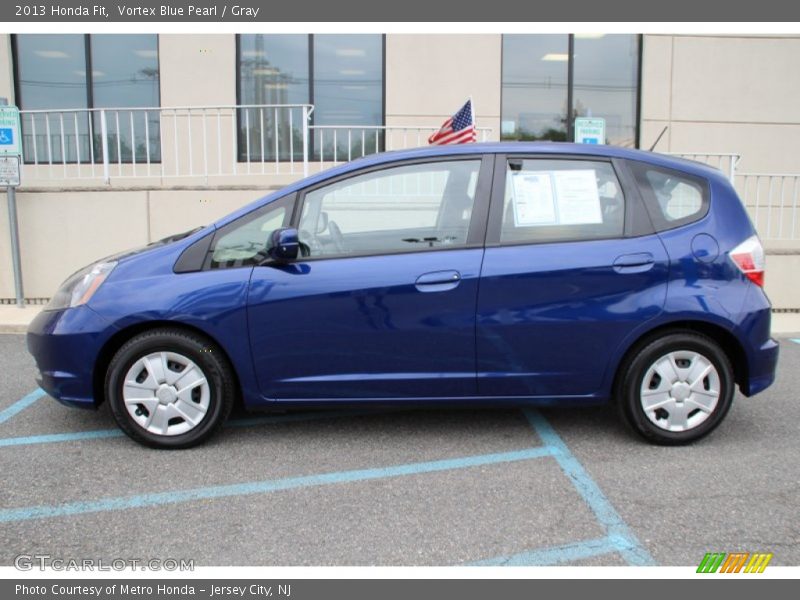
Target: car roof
[(538, 148)]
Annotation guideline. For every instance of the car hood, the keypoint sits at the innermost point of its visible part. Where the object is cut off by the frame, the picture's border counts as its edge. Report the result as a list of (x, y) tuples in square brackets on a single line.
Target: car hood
[(151, 246)]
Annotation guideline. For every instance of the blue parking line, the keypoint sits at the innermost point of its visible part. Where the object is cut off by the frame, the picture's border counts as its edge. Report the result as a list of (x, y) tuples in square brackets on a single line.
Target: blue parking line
[(99, 434), (50, 438), (631, 549), (620, 538), (264, 487), (21, 405), (558, 554), (795, 340)]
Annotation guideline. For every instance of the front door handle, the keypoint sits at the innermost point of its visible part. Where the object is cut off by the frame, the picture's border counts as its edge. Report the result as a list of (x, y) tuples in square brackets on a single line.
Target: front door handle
[(438, 281), (634, 263)]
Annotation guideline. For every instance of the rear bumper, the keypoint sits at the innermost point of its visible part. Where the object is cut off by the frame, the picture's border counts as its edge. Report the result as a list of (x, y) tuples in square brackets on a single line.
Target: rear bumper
[(762, 373), (761, 350), (65, 345)]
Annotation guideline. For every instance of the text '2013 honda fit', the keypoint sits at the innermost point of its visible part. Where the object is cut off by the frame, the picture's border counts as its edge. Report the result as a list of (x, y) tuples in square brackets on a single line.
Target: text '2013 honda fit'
[(494, 274)]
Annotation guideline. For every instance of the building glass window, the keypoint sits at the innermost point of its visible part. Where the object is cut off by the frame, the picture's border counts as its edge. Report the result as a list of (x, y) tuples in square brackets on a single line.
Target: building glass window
[(341, 75), (547, 77), (66, 74), (606, 76), (534, 87), (125, 75), (273, 69), (348, 90)]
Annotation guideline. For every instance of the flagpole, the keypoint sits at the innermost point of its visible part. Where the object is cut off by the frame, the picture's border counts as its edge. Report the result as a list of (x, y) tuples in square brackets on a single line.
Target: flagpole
[(474, 121)]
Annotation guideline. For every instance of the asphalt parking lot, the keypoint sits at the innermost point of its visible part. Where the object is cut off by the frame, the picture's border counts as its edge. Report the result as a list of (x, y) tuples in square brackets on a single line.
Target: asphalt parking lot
[(416, 487)]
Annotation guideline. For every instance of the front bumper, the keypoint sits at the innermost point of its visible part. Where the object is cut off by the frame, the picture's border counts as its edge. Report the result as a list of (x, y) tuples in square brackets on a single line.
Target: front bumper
[(65, 345)]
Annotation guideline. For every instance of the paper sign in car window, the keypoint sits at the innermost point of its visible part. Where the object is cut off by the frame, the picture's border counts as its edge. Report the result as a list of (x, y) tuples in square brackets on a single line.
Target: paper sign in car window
[(533, 199), (577, 197)]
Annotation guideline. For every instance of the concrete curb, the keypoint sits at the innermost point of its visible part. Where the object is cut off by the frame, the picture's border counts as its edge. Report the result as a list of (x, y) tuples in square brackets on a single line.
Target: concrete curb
[(18, 329)]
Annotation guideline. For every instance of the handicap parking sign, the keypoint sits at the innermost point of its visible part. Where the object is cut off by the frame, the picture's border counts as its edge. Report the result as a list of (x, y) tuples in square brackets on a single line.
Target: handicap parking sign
[(6, 136), (590, 130), (9, 130)]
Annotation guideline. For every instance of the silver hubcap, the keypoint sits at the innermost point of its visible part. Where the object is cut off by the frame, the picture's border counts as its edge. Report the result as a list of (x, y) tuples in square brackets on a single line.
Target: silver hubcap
[(680, 390), (166, 393)]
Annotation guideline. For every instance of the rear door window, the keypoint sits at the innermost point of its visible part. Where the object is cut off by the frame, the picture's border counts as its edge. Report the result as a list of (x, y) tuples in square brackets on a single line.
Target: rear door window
[(561, 200)]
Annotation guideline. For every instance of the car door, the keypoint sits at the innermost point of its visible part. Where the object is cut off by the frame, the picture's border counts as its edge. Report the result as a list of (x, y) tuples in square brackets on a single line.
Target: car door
[(383, 305), (572, 267)]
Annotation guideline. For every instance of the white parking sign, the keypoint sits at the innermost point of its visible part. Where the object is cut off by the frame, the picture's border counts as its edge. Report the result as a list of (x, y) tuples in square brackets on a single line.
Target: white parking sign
[(10, 131), (9, 171), (590, 131)]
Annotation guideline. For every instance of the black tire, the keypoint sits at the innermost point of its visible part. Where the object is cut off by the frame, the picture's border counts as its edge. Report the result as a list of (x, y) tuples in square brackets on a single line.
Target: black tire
[(207, 357), (635, 368)]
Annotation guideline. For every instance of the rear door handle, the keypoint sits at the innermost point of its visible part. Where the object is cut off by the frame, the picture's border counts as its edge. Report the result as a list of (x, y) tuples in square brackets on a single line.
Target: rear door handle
[(438, 281), (634, 263)]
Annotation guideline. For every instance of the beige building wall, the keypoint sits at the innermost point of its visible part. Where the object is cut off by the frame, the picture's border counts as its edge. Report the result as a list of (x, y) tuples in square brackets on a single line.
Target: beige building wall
[(429, 77), (62, 231), (6, 69), (197, 69), (6, 91), (724, 94)]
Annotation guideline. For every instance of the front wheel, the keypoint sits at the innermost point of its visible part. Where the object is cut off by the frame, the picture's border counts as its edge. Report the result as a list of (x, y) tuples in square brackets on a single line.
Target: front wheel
[(169, 388), (677, 388)]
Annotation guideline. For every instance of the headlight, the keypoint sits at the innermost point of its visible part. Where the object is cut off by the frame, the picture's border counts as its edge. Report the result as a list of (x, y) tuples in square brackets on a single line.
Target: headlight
[(81, 286)]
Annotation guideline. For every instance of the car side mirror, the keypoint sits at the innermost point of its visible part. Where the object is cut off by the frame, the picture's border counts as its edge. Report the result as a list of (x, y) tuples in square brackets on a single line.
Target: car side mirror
[(283, 244)]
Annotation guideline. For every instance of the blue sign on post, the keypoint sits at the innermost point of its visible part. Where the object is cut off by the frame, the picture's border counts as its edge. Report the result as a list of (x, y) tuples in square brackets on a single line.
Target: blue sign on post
[(9, 130)]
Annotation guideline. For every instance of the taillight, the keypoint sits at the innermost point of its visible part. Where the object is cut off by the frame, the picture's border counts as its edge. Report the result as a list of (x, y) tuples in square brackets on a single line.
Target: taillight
[(749, 257)]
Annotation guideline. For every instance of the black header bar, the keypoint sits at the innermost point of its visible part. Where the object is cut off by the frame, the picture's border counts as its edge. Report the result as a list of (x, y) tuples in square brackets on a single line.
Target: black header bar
[(451, 11)]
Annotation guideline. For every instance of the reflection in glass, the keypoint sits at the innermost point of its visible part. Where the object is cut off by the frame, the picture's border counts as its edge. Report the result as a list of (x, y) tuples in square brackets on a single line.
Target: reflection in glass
[(399, 209), (606, 72), (273, 69), (348, 90), (534, 104), (535, 85), (52, 75), (125, 74)]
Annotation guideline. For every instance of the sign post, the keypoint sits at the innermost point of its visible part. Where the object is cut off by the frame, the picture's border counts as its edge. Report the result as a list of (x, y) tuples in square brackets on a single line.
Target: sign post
[(10, 153), (589, 130)]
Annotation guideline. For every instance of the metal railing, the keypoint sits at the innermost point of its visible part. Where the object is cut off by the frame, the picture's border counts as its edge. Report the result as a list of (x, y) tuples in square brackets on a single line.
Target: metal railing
[(211, 143), (725, 162), (772, 200), (196, 142), (167, 142), (340, 143)]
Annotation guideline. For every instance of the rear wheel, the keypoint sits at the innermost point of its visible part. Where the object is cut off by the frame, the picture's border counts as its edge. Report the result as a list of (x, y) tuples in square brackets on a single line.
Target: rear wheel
[(169, 388), (677, 388)]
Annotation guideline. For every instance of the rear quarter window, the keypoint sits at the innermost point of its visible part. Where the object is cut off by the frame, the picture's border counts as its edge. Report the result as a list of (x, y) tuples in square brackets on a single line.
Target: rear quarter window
[(673, 198)]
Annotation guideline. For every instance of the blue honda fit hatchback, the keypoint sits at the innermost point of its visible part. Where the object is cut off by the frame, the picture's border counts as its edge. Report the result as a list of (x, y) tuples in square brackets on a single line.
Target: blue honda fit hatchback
[(516, 273)]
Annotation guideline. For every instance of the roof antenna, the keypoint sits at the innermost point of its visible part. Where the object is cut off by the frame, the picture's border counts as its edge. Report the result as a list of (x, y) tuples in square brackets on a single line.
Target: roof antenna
[(658, 139)]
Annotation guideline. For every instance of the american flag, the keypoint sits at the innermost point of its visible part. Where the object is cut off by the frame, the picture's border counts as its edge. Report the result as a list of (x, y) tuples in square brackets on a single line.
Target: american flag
[(458, 129)]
